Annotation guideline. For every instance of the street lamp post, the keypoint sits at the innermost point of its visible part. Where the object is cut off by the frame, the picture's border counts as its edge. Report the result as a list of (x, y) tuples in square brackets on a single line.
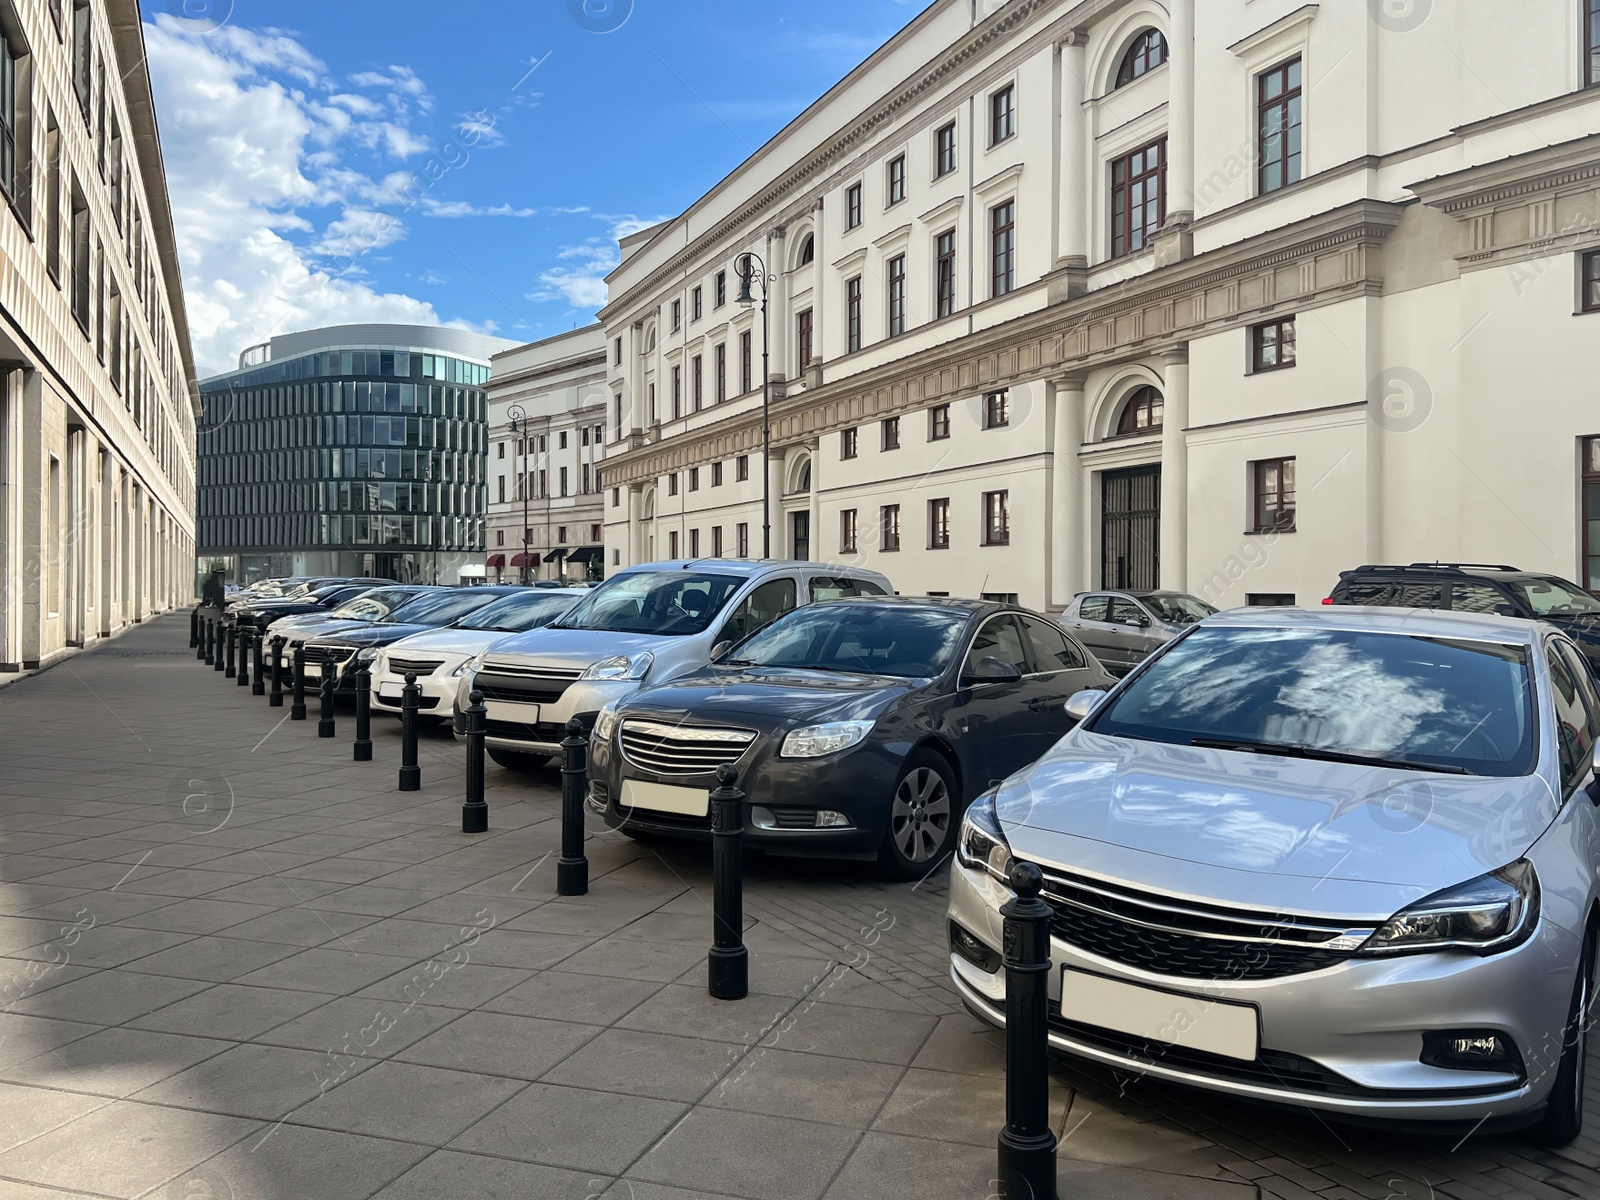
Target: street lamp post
[(745, 265), (519, 427)]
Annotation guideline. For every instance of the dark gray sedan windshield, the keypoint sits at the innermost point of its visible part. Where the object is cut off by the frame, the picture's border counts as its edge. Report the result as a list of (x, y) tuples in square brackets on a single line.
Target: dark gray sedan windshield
[(373, 605), (518, 612), (911, 642), (1389, 698), (439, 608)]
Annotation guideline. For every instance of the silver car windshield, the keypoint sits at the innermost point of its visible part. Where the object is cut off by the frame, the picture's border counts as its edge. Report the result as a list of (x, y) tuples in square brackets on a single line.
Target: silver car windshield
[(1177, 608), (669, 603), (1352, 696), (517, 613), (438, 608)]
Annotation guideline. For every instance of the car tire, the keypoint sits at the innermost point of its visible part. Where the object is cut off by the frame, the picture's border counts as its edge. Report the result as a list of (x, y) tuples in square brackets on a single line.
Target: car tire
[(518, 760), (924, 814), (1563, 1114)]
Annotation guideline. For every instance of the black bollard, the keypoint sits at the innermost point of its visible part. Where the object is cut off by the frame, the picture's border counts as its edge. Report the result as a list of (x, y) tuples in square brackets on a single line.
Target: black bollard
[(220, 650), (276, 699), (410, 773), (1027, 1143), (475, 812), (194, 627), (207, 640), (572, 869), (325, 724), (363, 743), (258, 681), (244, 658), (297, 711), (231, 671), (728, 964)]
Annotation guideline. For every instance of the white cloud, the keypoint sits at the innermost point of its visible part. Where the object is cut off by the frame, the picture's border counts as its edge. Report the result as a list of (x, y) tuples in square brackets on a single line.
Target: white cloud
[(479, 129), (464, 208), (583, 284), (254, 132)]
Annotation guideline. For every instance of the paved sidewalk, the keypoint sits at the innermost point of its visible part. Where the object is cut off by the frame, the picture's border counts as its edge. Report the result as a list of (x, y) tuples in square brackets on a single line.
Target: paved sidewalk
[(237, 965)]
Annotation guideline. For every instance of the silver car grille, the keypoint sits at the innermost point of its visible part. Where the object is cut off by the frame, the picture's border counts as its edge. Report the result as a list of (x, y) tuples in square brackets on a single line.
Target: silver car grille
[(516, 670), (415, 666), (682, 749), (1189, 939)]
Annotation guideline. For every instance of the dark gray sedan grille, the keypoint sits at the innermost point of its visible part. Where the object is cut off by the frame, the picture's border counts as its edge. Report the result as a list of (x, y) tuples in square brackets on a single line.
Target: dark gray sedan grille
[(682, 749), (333, 654)]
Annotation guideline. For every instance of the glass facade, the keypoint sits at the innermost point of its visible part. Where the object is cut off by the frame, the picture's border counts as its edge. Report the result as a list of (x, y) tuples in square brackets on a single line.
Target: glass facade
[(364, 450)]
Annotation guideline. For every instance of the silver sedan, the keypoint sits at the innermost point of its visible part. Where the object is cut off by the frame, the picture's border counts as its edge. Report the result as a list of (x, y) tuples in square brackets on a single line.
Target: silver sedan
[(1121, 629), (1342, 859)]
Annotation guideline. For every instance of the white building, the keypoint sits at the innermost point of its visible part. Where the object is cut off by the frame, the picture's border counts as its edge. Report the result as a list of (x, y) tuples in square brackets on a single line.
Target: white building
[(1223, 296), (547, 416), (97, 407)]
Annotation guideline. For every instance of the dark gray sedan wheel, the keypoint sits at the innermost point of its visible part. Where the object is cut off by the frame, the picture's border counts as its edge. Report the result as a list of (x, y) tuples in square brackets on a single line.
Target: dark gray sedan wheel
[(923, 816)]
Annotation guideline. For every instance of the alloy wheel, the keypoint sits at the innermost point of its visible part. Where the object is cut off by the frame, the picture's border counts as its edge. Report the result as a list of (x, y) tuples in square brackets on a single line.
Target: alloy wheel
[(920, 816)]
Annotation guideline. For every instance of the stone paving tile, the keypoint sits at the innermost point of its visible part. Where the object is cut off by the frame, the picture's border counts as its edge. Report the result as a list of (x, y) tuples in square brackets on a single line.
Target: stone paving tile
[(693, 1012), (297, 927), (113, 1062), (662, 962), (214, 959), (448, 1173), (598, 1132), (866, 1034), (327, 969), (296, 1162), (27, 1112), (470, 985), (251, 1081), (766, 1158), (407, 1101), (196, 916), (360, 1027), (231, 1011), (108, 997), (646, 1064), (592, 999), (500, 1044), (812, 1087)]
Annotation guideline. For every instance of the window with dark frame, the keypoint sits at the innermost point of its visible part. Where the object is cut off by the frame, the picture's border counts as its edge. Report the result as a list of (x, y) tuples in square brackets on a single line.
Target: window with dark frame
[(891, 433), (1278, 127), (1002, 248), (1273, 491), (720, 290), (743, 540), (721, 365), (944, 260), (716, 474), (938, 422), (889, 527), (1589, 270), (802, 339), (747, 381), (1589, 493), (677, 392), (677, 315), (897, 295), (694, 543), (1272, 345), (847, 531), (897, 179), (996, 410), (81, 266), (697, 382), (939, 523), (944, 149), (616, 359), (1591, 43), (847, 443), (1002, 114), (996, 519), (83, 57), (672, 543), (1141, 412), (741, 468), (1147, 52), (852, 314), (716, 541), (852, 206), (672, 484), (694, 479), (16, 160), (695, 304), (1138, 197)]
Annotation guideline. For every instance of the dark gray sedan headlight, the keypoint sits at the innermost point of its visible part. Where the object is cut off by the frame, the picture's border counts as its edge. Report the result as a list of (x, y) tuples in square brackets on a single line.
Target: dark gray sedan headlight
[(1490, 913), (982, 844)]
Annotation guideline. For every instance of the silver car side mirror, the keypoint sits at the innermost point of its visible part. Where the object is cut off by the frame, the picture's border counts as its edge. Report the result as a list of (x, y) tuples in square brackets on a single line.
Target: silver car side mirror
[(1081, 704), (720, 649)]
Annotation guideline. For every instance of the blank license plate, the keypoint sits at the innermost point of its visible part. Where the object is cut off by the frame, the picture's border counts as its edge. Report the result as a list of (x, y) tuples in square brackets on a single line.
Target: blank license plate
[(508, 710), (389, 691), (1165, 1017), (689, 802)]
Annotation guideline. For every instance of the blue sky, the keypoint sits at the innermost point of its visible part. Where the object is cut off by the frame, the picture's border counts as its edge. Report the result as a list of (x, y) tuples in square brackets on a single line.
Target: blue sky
[(351, 160)]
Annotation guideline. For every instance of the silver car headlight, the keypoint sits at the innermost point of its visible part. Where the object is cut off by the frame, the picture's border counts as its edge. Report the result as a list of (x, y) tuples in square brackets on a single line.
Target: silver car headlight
[(605, 722), (468, 667), (1490, 913), (813, 741), (367, 656), (620, 667), (982, 845)]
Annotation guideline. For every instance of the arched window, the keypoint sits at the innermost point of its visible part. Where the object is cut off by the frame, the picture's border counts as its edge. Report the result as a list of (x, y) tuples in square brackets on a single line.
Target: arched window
[(1149, 51), (803, 484), (1141, 413), (808, 250)]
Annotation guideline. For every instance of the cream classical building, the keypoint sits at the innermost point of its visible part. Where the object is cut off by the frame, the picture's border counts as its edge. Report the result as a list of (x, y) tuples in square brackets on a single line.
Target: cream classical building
[(547, 418), (1219, 296), (98, 407)]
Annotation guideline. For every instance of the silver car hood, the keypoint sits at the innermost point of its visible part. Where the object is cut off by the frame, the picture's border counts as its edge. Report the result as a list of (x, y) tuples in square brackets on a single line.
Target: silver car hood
[(575, 647), (1291, 835)]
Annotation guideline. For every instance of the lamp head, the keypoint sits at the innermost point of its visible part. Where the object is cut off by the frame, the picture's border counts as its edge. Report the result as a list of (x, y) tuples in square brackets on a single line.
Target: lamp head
[(745, 269)]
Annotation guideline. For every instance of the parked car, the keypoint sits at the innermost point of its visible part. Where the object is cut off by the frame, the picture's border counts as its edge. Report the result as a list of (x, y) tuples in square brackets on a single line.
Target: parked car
[(436, 656), (859, 727), (647, 624), (1121, 629), (258, 613), (1340, 859), (431, 609), (363, 610), (1476, 587)]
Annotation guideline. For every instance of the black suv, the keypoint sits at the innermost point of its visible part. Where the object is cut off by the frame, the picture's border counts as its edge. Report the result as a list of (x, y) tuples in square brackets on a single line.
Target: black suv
[(1481, 588)]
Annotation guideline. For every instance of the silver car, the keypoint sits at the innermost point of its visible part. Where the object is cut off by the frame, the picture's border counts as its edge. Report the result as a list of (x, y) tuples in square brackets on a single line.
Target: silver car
[(1345, 859), (1121, 629), (647, 624)]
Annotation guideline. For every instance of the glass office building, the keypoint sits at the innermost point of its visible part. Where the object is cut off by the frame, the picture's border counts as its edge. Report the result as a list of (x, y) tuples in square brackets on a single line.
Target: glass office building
[(351, 450)]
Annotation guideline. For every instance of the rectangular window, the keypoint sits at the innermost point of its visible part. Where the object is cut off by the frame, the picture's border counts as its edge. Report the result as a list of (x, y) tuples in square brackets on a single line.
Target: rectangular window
[(677, 315), (594, 533), (586, 472), (1589, 267), (617, 355), (741, 468), (944, 287), (897, 179), (696, 306), (802, 339), (891, 433), (563, 481), (996, 410), (939, 523), (720, 290), (852, 206), (716, 474), (694, 543), (742, 540), (82, 57), (889, 527), (80, 257), (677, 392), (502, 497), (697, 382), (944, 150), (694, 479), (1273, 490), (746, 363), (618, 406), (1002, 248), (1272, 345), (716, 541), (672, 484), (1138, 197), (852, 314), (722, 371), (52, 200), (897, 295), (938, 422), (996, 519), (847, 443), (16, 159), (672, 543), (847, 531), (1002, 114), (1278, 127)]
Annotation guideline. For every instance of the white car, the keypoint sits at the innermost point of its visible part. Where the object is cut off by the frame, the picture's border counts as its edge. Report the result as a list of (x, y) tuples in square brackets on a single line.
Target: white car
[(436, 657)]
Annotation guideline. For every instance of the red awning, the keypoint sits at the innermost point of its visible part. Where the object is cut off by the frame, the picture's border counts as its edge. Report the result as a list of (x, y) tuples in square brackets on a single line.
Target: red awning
[(496, 561), (524, 560)]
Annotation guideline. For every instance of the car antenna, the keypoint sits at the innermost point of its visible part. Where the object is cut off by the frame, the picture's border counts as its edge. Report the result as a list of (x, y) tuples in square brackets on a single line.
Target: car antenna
[(983, 585)]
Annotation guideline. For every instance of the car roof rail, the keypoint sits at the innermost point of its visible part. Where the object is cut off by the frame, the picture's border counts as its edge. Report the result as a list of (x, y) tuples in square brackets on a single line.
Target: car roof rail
[(1397, 568), (1457, 566)]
